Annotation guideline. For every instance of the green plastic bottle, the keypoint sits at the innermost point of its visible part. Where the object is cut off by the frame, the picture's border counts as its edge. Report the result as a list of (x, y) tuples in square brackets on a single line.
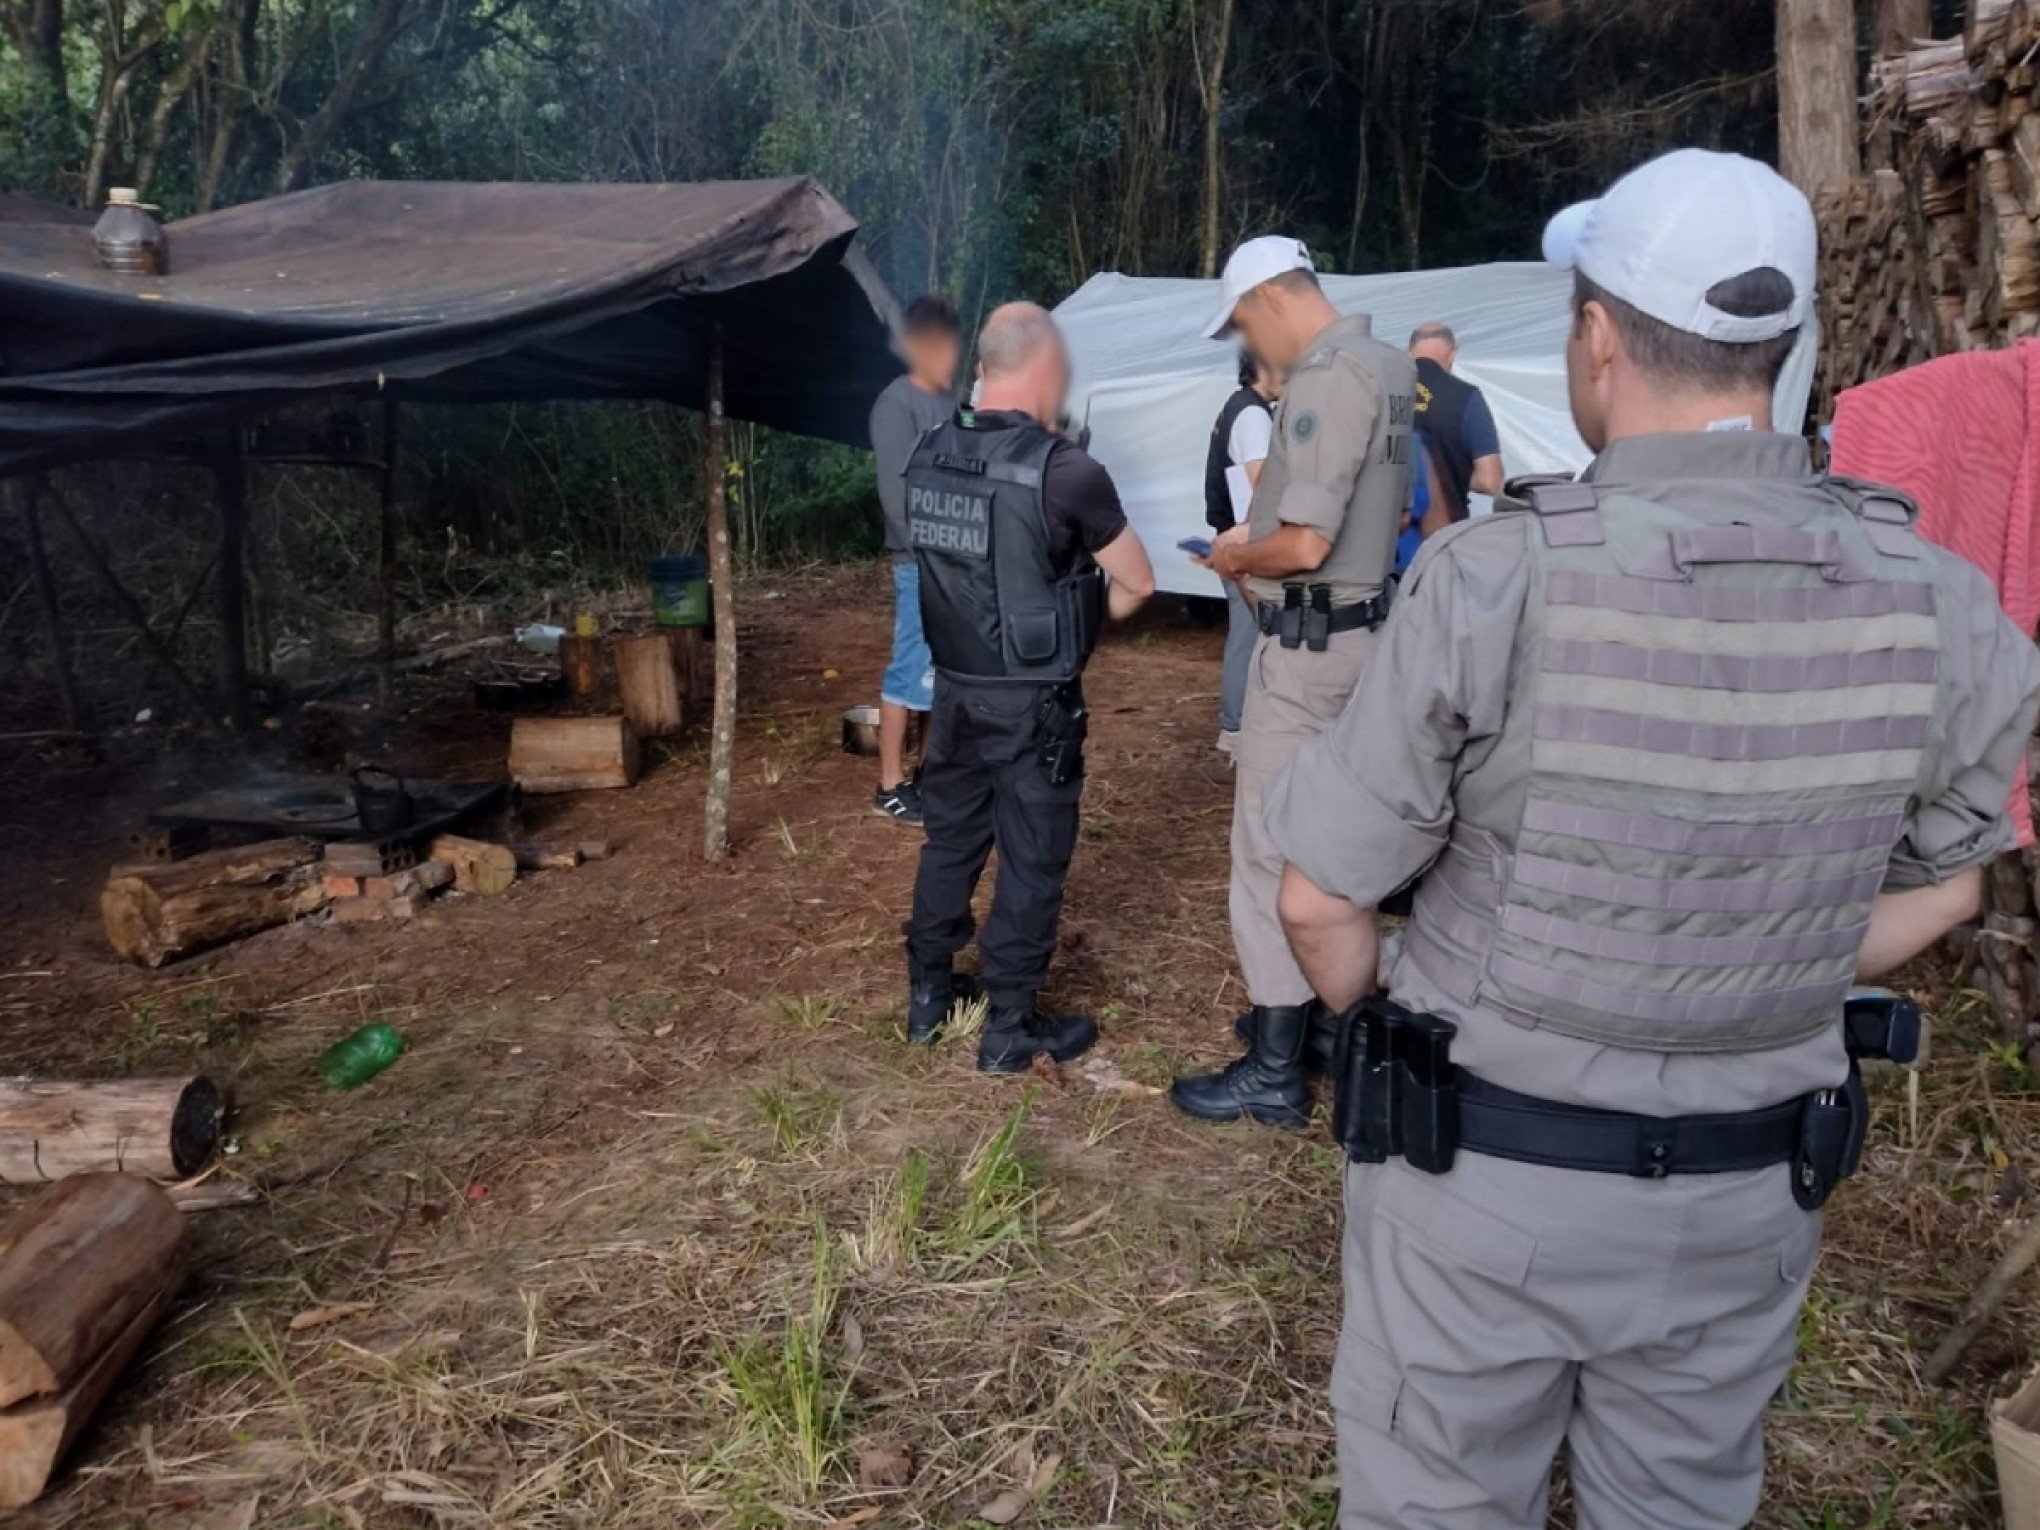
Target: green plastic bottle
[(351, 1063)]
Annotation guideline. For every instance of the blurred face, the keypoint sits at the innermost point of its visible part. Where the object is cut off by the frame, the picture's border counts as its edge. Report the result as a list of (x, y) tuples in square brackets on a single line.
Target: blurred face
[(1260, 320), (932, 355), (1051, 382)]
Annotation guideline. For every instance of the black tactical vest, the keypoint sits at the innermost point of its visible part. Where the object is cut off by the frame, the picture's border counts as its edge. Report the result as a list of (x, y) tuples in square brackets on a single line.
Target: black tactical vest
[(993, 604), (1218, 510)]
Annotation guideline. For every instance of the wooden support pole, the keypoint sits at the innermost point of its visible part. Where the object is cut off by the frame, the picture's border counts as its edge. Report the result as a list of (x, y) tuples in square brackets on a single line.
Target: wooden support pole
[(230, 469), (722, 748), (386, 560), (51, 609)]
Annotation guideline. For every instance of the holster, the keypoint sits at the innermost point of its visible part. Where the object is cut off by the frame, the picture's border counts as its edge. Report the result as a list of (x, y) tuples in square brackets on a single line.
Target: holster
[(1831, 1133), (1289, 626), (1062, 724), (1397, 1089)]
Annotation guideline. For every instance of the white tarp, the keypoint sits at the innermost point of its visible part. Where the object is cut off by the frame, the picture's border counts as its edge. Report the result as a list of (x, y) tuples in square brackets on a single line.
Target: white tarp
[(1149, 385)]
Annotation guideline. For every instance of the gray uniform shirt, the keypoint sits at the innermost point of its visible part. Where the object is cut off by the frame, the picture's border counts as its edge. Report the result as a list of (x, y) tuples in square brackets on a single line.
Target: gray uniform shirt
[(1339, 462), (1364, 809), (900, 416)]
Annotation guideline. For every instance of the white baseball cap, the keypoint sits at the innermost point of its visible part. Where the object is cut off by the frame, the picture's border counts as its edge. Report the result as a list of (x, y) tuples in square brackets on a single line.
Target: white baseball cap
[(1671, 230), (1254, 262)]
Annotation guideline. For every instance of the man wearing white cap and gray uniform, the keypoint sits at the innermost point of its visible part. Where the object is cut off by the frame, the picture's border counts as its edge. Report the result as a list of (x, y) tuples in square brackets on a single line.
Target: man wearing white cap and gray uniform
[(1317, 550), (1673, 761)]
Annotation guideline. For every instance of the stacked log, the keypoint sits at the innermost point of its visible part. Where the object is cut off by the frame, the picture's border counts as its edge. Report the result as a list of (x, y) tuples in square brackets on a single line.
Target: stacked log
[(86, 1269), (1938, 251), (156, 912)]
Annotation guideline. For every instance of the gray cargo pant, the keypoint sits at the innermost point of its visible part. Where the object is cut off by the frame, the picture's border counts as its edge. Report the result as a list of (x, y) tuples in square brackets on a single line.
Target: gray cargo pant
[(1293, 695), (1503, 1309), (1242, 632)]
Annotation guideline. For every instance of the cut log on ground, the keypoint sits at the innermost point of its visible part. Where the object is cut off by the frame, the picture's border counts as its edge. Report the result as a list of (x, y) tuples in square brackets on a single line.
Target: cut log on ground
[(156, 912), (546, 857), (77, 1266), (648, 685), (35, 1434), (581, 663), (573, 754), (165, 1128), (478, 866)]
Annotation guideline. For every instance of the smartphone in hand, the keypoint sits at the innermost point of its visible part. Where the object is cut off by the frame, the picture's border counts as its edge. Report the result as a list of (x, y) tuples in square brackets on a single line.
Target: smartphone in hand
[(1197, 547)]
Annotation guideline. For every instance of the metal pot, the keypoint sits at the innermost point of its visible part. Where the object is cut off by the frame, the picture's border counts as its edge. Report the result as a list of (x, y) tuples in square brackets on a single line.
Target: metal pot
[(382, 805), (860, 730)]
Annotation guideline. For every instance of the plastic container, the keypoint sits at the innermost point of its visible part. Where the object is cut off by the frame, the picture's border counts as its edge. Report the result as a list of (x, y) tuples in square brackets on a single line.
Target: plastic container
[(679, 590), (353, 1062), (129, 238)]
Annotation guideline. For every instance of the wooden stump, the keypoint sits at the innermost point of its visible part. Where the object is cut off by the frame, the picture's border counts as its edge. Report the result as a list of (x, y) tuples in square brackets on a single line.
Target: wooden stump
[(581, 663), (157, 912), (691, 657), (478, 866), (572, 754), (648, 684), (85, 1271), (165, 1128)]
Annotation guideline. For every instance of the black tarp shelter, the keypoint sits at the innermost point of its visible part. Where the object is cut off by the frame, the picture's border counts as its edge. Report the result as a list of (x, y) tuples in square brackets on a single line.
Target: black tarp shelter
[(442, 292), (745, 298)]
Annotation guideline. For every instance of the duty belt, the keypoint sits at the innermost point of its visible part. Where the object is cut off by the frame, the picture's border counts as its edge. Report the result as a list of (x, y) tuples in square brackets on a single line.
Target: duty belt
[(1307, 618), (1400, 1095)]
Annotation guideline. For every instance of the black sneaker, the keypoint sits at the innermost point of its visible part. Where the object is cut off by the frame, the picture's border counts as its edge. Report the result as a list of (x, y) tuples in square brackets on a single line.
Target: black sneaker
[(902, 802)]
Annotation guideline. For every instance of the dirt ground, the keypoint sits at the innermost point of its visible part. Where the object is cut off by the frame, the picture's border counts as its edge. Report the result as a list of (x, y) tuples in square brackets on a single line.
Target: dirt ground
[(659, 1223)]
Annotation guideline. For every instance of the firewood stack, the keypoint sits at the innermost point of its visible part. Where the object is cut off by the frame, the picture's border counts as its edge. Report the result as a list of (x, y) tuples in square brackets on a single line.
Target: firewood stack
[(1938, 251)]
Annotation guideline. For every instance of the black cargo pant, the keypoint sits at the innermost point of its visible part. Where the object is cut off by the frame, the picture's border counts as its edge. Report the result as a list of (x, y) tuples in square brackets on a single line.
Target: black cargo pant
[(983, 785)]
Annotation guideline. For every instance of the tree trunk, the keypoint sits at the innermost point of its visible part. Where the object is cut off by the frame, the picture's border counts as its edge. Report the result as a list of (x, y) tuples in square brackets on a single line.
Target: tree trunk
[(1899, 24), (197, 45), (237, 23), (1817, 133), (49, 607), (230, 470), (38, 27), (383, 26), (722, 748), (1211, 86), (163, 1128)]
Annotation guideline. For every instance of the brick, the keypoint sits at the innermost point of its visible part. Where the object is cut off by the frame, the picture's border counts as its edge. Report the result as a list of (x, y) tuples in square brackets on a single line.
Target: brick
[(399, 884), (360, 910), (342, 887), (405, 907)]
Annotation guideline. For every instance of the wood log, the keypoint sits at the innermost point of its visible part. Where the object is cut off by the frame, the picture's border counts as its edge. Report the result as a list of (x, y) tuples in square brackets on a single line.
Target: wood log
[(648, 684), (581, 663), (533, 857), (156, 912), (34, 1435), (478, 866), (165, 1128), (691, 657), (78, 1264), (572, 754)]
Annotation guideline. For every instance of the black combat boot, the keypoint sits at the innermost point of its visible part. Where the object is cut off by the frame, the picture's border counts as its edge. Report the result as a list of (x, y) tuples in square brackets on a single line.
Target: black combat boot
[(1321, 1049), (932, 994), (1015, 1035), (1266, 1084)]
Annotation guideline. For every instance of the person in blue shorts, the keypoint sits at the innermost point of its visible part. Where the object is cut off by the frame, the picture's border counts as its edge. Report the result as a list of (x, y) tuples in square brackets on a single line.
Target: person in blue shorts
[(911, 406)]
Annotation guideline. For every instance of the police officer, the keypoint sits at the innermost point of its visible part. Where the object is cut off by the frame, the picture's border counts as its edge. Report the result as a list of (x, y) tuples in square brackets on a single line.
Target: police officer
[(1316, 552), (1016, 531), (1674, 759)]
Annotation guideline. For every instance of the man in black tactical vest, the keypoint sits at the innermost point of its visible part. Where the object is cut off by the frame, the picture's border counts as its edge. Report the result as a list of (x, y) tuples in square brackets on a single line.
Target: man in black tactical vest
[(1454, 416), (1016, 531), (1240, 438)]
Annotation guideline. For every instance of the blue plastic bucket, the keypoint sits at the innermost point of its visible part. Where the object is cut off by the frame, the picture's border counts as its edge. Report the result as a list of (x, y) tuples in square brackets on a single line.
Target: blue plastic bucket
[(679, 590)]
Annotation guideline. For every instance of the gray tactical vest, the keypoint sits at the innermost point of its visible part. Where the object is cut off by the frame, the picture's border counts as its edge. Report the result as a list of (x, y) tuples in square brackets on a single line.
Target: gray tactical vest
[(1723, 726)]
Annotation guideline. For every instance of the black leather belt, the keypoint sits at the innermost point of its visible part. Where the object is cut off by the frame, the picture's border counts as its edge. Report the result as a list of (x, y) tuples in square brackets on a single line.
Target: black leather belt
[(1504, 1124)]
